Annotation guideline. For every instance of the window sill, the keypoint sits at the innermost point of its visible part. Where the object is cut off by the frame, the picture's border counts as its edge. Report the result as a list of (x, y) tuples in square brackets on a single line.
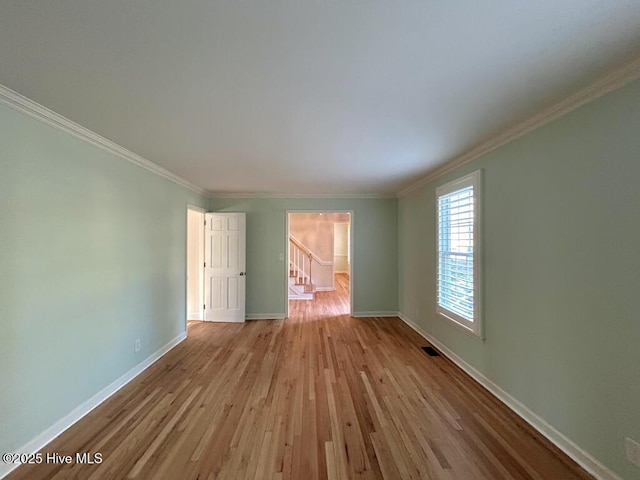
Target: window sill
[(450, 321)]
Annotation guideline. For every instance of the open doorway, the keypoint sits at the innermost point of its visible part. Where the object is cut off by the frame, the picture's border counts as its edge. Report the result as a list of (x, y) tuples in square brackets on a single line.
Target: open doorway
[(195, 261), (320, 259)]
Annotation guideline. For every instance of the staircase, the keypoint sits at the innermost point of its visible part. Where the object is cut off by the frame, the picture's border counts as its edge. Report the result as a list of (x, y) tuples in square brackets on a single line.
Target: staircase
[(301, 285)]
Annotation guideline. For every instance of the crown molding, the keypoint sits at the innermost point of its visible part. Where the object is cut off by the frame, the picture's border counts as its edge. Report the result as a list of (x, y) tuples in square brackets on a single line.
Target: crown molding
[(24, 105), (299, 195), (612, 81)]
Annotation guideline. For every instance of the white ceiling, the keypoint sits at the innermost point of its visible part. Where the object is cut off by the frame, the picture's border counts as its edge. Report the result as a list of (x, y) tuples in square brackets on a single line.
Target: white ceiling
[(313, 96)]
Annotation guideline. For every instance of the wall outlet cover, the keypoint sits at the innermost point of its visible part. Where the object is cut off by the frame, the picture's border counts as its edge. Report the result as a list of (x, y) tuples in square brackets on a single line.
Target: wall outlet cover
[(633, 451)]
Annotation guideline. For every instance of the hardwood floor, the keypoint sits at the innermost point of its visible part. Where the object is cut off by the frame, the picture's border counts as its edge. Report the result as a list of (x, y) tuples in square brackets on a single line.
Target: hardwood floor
[(320, 395)]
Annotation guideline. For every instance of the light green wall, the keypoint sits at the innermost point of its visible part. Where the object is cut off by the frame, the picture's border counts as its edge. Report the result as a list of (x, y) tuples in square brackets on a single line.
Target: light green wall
[(92, 256), (374, 223), (562, 273)]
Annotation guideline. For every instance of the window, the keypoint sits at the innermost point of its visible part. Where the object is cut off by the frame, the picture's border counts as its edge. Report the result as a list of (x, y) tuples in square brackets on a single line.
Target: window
[(459, 252)]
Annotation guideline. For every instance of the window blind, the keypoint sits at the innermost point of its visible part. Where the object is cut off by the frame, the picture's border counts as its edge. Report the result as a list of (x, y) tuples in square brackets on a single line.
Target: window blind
[(455, 252)]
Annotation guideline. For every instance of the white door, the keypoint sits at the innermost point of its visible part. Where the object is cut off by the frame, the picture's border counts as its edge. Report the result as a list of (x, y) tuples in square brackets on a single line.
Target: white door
[(224, 269)]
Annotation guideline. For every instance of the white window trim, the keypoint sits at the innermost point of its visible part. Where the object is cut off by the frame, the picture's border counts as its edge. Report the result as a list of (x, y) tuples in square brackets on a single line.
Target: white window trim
[(474, 328)]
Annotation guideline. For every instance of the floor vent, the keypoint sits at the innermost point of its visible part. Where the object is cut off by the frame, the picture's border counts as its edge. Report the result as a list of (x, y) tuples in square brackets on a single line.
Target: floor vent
[(432, 352)]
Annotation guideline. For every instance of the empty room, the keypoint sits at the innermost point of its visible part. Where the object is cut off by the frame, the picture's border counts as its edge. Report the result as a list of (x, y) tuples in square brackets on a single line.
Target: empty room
[(328, 239)]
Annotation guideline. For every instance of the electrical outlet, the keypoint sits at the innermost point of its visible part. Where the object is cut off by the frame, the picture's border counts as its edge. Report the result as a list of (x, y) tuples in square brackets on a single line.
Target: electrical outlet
[(136, 347), (633, 451)]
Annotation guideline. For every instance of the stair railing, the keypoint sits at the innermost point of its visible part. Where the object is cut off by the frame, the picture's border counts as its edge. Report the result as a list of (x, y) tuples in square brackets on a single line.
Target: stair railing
[(301, 259)]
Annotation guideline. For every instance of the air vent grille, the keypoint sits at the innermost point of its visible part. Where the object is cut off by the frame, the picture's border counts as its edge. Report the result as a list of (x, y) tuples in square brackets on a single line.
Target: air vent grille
[(432, 352)]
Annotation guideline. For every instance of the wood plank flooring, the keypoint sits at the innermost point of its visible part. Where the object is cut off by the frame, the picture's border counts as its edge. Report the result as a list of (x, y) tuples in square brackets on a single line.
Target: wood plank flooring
[(320, 395)]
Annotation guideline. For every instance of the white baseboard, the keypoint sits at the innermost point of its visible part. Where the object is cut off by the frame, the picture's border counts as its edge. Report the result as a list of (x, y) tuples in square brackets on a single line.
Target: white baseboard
[(80, 411), (195, 316), (325, 289), (577, 454), (374, 314), (265, 316)]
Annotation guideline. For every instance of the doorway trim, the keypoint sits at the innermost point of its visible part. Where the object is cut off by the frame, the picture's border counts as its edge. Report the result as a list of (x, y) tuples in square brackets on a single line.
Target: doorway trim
[(202, 211), (286, 251)]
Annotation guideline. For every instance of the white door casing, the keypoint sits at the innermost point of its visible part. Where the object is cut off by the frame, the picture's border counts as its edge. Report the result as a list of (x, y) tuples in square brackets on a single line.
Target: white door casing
[(195, 260), (224, 270)]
